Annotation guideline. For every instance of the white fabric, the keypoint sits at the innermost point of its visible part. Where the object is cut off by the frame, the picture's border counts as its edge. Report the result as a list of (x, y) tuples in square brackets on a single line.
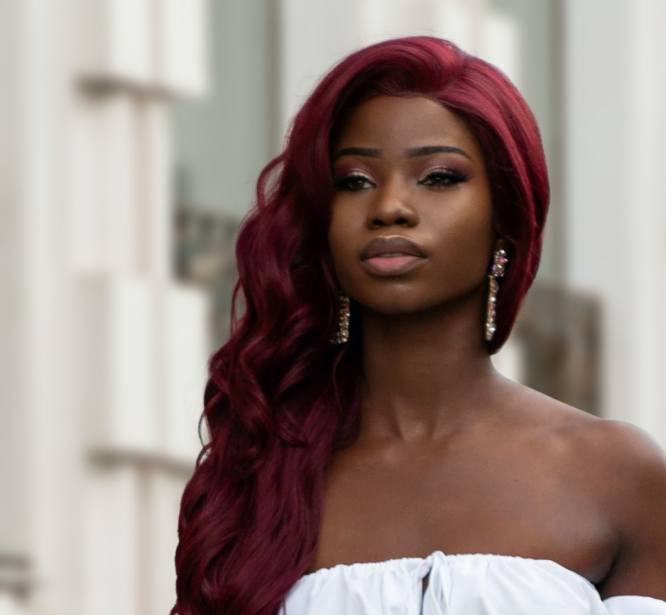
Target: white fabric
[(472, 584)]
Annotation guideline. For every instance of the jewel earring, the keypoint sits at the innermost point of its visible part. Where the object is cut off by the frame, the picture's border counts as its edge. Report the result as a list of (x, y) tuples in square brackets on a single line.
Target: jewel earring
[(496, 271), (341, 335)]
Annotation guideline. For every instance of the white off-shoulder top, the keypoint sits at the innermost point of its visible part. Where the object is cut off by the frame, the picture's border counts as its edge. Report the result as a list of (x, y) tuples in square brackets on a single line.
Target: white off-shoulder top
[(471, 584)]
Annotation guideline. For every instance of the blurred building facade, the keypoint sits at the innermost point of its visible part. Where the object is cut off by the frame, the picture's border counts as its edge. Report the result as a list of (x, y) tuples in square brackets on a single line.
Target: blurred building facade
[(132, 134), (104, 351)]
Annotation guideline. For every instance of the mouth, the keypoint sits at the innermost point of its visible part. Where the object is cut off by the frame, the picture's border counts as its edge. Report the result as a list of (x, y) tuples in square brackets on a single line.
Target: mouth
[(390, 256)]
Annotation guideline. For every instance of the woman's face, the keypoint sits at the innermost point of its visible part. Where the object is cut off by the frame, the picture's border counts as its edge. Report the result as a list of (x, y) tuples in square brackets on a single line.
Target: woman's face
[(411, 220)]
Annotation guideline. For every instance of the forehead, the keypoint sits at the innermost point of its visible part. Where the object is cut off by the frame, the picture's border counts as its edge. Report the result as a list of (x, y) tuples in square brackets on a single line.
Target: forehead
[(397, 122)]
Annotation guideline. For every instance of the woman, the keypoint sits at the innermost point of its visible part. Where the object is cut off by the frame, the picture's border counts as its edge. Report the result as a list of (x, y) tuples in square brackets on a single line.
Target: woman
[(365, 457)]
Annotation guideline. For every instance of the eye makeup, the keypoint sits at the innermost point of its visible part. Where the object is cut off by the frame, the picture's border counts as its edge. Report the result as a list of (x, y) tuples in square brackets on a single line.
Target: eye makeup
[(348, 176), (436, 171), (442, 177), (352, 182)]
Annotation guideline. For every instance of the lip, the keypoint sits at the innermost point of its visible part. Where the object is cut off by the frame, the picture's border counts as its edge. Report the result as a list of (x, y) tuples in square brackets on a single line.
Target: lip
[(383, 246), (391, 256)]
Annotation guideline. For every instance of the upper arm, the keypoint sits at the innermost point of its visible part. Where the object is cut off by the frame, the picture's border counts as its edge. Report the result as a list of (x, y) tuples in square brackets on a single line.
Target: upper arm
[(638, 512)]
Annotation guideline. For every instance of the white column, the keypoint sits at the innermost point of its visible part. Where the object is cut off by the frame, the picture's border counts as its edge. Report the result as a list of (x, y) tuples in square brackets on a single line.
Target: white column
[(47, 379), (616, 93), (13, 404), (85, 176)]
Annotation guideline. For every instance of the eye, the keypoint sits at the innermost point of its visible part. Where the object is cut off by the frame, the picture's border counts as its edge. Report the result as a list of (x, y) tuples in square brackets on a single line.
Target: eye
[(442, 178), (353, 183)]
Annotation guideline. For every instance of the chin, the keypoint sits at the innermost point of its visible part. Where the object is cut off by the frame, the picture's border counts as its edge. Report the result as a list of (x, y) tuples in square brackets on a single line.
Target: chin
[(398, 303), (414, 299)]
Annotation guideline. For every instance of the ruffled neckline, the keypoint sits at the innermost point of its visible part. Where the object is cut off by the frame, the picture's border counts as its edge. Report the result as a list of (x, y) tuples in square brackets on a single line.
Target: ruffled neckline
[(364, 582), (391, 563)]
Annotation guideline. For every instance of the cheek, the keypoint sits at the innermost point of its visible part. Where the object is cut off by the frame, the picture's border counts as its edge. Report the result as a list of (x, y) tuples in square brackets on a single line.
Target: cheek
[(465, 238), (339, 233)]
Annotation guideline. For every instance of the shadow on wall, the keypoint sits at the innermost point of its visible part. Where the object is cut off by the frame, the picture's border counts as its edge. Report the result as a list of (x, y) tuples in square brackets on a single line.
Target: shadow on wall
[(559, 331), (204, 255)]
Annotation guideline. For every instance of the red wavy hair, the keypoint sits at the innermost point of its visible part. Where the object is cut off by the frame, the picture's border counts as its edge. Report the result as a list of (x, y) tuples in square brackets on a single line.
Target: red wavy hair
[(280, 400)]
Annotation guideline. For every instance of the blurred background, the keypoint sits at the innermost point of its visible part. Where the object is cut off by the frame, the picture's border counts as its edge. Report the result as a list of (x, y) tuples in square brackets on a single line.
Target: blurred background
[(131, 135)]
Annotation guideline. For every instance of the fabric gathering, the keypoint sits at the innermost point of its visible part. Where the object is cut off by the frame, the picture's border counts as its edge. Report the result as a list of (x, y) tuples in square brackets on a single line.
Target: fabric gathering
[(469, 584)]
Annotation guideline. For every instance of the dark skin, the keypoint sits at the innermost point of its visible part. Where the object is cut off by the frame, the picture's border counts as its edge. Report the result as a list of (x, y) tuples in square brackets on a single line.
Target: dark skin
[(451, 455)]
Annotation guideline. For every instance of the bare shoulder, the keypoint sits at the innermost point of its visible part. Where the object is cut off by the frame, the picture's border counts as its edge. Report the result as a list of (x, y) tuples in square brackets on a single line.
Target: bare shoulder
[(634, 468), (626, 448), (629, 467), (615, 445), (623, 468)]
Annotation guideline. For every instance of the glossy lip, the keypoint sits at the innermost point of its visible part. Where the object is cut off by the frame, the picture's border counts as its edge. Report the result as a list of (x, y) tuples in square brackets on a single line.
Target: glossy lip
[(391, 256)]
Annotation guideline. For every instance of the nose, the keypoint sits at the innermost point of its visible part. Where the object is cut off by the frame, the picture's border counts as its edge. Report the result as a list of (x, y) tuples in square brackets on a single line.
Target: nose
[(392, 206)]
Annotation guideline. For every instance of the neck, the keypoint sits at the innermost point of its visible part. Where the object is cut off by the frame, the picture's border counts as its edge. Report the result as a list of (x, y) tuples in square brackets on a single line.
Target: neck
[(425, 374)]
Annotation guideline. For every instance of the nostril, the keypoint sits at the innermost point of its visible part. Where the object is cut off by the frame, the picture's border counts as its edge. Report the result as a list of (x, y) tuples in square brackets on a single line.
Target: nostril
[(398, 222)]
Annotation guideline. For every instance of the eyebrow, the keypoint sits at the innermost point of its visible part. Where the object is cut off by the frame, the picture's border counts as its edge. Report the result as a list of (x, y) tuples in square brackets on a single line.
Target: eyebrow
[(436, 149), (412, 152), (358, 151)]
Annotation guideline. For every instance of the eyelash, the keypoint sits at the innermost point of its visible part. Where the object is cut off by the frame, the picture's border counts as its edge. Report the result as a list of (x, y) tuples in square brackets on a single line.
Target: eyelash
[(450, 177), (345, 183)]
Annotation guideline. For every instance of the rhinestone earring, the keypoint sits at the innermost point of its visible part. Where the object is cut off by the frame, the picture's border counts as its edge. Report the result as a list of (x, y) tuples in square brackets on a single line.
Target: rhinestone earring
[(341, 335), (496, 271)]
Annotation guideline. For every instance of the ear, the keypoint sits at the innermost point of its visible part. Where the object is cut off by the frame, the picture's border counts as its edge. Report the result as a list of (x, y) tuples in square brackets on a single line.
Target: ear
[(498, 244)]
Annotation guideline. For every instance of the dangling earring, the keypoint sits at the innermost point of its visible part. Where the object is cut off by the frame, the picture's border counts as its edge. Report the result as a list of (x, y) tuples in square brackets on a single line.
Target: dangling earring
[(497, 271), (341, 335)]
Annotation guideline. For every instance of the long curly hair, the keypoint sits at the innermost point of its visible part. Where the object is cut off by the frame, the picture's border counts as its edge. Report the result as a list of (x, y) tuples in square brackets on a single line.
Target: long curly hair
[(280, 399)]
